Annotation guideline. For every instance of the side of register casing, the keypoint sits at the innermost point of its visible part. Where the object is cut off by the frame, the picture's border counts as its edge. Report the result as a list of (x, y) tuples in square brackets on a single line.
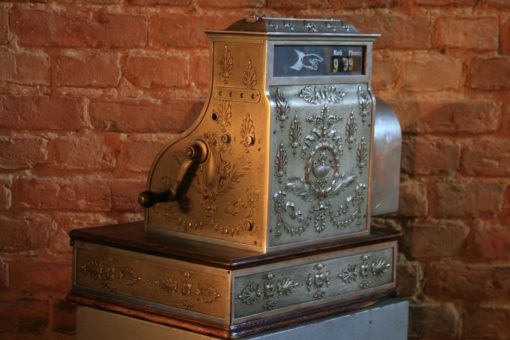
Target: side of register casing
[(288, 139)]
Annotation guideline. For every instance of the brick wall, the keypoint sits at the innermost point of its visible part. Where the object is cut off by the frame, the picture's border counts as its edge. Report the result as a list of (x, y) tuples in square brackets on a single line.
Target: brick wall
[(91, 89)]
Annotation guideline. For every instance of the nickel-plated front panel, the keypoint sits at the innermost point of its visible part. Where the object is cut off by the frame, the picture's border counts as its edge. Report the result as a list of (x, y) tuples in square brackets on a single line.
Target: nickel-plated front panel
[(313, 281), (320, 156), (190, 289)]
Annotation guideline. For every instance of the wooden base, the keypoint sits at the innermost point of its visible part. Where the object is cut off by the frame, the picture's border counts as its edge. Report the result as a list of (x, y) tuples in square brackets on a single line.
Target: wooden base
[(132, 236)]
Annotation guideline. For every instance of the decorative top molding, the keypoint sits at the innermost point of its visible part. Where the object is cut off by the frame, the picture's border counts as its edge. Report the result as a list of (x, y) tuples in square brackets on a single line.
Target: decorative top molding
[(292, 26)]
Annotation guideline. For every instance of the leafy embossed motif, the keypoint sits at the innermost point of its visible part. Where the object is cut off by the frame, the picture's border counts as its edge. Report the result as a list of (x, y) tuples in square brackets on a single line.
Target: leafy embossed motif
[(268, 291), (247, 132), (364, 271), (350, 130), (226, 64), (321, 94), (364, 103), (282, 107), (362, 155), (224, 114), (280, 162), (110, 275), (249, 76), (188, 290), (295, 132), (250, 294)]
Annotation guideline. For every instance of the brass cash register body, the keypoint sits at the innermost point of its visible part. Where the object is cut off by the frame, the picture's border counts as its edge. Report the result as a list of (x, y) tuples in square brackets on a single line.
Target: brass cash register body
[(287, 135)]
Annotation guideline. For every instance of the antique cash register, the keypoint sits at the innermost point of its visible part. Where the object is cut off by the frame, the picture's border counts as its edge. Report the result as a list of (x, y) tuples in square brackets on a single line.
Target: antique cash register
[(259, 215)]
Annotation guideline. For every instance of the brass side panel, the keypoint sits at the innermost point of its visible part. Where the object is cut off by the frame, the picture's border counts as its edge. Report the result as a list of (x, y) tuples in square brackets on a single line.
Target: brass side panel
[(227, 199), (313, 281), (186, 288), (320, 155)]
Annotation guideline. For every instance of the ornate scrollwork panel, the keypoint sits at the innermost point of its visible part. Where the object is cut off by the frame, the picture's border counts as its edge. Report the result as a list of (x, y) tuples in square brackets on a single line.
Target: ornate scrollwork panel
[(110, 274), (319, 173), (267, 291), (329, 278), (120, 273), (364, 271), (321, 94), (188, 290)]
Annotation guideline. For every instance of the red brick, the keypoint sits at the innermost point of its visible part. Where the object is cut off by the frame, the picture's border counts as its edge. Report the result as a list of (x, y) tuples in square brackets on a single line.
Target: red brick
[(74, 28), (447, 116), (27, 231), (160, 2), (52, 276), (470, 199), (75, 220), (64, 317), (445, 2), (41, 112), (232, 3), (4, 274), (413, 199), (469, 283), (491, 242), (487, 322), (7, 64), (60, 243), (68, 194), (468, 32), (128, 90), (125, 194), (105, 2), (76, 68), (498, 3), (201, 71), (355, 4), (433, 239), (425, 156), (22, 153), (385, 73), (143, 117), (31, 68), (291, 4), (24, 317), (5, 193), (4, 26), (486, 157), (153, 72), (397, 30), (92, 152), (506, 115), (433, 321), (491, 73), (435, 73), (504, 37), (178, 30), (138, 155), (409, 276)]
